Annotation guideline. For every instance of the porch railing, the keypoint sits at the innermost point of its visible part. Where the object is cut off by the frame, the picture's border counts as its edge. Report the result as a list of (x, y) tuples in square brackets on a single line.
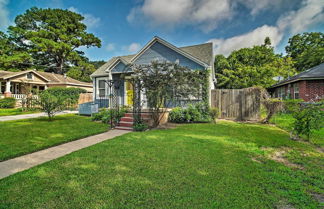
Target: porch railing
[(18, 96), (23, 96)]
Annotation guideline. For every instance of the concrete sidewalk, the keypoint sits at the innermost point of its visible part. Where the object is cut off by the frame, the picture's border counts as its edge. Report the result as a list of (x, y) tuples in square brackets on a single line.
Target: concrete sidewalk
[(34, 115), (21, 163)]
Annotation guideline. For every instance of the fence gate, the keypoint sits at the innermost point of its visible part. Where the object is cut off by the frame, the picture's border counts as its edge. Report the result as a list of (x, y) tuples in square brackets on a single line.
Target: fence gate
[(237, 104)]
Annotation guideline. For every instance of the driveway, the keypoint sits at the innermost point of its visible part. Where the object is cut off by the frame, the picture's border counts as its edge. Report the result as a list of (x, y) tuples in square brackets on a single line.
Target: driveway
[(34, 115)]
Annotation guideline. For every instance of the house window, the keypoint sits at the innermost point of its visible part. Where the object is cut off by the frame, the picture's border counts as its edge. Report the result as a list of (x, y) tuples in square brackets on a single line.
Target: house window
[(296, 91), (29, 76), (281, 93), (102, 88)]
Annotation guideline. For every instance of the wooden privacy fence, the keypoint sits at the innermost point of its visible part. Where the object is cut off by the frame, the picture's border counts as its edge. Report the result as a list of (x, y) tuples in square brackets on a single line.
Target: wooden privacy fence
[(85, 97), (237, 104)]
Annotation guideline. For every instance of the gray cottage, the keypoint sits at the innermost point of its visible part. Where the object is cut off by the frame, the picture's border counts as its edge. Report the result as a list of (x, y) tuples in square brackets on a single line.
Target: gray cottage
[(198, 57)]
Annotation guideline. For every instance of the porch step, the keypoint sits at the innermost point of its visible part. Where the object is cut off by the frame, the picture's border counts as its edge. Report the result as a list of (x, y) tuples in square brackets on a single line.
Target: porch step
[(124, 128), (143, 115), (125, 124), (127, 119)]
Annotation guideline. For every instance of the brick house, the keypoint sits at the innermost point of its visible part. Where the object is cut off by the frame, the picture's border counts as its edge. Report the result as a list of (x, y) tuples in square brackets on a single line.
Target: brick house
[(308, 85)]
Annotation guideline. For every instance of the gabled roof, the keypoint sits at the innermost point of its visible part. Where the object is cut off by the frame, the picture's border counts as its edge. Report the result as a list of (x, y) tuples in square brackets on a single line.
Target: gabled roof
[(179, 50), (200, 53), (316, 72), (50, 78), (14, 74)]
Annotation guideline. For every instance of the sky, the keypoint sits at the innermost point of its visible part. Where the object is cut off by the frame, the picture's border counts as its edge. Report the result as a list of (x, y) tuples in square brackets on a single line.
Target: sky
[(124, 26)]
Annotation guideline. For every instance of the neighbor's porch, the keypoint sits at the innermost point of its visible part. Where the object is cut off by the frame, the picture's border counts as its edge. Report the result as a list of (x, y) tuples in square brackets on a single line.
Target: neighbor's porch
[(19, 90)]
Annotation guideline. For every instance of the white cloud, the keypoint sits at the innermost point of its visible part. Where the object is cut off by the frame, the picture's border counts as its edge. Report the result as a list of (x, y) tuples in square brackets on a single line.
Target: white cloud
[(311, 13), (132, 48), (257, 6), (110, 47), (4, 13), (252, 38), (89, 20), (206, 14)]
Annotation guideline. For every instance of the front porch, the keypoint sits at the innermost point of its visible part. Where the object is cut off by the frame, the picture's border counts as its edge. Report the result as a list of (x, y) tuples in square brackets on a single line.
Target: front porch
[(19, 90)]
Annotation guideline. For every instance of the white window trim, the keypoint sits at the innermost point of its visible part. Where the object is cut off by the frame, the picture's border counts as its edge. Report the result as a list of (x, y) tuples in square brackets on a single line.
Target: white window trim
[(32, 76), (296, 86), (97, 87)]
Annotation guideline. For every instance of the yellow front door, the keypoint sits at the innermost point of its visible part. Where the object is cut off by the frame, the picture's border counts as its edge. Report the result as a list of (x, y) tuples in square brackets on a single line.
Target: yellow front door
[(129, 93)]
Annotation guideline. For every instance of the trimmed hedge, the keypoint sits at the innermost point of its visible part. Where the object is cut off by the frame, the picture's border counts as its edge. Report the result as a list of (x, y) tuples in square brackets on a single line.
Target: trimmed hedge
[(66, 93), (8, 102)]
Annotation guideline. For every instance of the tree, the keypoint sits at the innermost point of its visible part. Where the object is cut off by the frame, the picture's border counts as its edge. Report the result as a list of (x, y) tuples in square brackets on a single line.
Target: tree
[(306, 50), (248, 67), (11, 57), (52, 37), (50, 104), (164, 83)]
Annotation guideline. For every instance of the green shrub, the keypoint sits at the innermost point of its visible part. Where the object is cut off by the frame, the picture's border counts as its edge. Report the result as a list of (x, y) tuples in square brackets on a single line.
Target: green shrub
[(308, 118), (8, 102), (198, 112), (140, 126), (105, 115), (177, 115), (214, 113), (291, 105)]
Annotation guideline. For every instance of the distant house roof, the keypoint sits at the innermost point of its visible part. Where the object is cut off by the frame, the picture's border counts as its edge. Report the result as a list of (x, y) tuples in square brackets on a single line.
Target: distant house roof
[(202, 53), (313, 73), (50, 78)]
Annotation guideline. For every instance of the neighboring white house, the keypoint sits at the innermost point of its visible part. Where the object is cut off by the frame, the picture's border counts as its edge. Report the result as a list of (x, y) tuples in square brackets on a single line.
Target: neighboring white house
[(197, 57)]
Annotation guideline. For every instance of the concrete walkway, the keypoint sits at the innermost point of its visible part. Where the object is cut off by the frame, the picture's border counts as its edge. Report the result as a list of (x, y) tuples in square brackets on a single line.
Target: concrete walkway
[(18, 164), (34, 115)]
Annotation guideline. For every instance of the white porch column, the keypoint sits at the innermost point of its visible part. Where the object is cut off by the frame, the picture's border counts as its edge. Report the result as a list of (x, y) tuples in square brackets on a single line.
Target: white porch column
[(0, 87), (7, 92), (45, 87), (8, 83)]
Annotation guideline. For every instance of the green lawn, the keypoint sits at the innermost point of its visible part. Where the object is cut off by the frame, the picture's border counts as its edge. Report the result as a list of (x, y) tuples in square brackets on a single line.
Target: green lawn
[(285, 121), (24, 136), (226, 165), (15, 111)]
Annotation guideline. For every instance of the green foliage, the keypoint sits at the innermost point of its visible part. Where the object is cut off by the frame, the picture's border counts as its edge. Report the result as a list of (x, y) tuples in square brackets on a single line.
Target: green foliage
[(292, 105), (198, 112), (248, 67), (140, 125), (81, 71), (306, 50), (106, 115), (176, 115), (214, 113), (308, 118), (69, 95), (12, 58), (8, 102), (55, 99), (50, 103), (52, 38)]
